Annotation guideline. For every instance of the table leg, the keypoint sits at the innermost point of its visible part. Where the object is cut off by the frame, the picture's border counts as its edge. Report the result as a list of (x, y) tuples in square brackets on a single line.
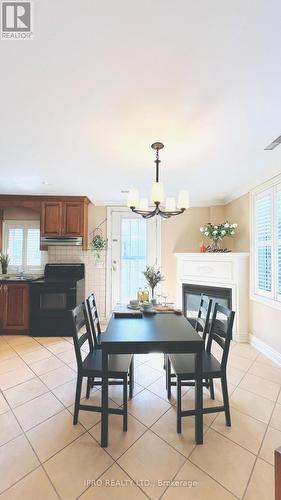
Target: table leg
[(104, 403), (199, 400)]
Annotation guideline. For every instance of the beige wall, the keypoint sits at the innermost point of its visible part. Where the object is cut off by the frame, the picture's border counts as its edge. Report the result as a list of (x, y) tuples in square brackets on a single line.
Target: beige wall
[(179, 234), (265, 324), (239, 211)]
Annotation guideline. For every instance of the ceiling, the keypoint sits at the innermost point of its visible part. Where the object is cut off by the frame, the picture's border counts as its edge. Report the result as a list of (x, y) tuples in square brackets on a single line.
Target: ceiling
[(82, 102)]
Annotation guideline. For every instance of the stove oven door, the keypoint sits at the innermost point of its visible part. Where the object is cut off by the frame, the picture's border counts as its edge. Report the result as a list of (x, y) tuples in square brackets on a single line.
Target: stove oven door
[(49, 304)]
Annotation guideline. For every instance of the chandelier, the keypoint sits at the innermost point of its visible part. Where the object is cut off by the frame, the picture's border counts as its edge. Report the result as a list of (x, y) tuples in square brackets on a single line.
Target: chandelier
[(140, 205)]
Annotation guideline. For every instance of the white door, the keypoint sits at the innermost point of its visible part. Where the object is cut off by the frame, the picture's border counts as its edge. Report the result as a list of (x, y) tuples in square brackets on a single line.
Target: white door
[(134, 243)]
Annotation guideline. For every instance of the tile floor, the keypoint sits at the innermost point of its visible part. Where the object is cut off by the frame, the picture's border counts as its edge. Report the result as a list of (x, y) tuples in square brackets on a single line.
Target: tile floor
[(43, 456)]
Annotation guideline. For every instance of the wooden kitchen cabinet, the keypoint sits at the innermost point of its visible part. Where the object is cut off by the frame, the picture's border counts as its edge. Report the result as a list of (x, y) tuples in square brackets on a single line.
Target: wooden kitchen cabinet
[(62, 218), (51, 218), (14, 308), (73, 219)]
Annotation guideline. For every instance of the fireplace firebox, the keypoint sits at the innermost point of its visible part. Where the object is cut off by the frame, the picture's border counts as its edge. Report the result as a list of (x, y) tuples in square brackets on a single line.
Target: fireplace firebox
[(191, 298)]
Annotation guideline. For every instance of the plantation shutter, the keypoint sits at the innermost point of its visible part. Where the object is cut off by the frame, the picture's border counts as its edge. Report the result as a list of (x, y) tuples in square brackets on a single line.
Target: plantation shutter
[(278, 237), (264, 243)]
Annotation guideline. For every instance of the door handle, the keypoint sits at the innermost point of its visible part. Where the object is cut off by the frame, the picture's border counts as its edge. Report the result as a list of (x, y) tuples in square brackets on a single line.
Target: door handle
[(114, 265)]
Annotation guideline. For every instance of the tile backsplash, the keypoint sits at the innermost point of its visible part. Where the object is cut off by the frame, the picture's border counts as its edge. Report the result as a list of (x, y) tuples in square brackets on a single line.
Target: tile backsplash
[(95, 273)]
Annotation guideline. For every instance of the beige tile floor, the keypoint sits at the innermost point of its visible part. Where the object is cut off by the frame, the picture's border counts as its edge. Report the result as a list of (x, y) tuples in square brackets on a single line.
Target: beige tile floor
[(43, 456)]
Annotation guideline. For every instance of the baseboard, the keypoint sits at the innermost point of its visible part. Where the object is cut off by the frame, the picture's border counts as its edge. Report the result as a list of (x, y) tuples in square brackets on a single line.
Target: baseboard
[(241, 337), (265, 349)]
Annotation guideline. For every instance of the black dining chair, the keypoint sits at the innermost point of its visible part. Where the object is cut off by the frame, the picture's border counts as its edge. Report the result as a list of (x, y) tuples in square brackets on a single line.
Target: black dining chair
[(94, 320), (95, 328), (119, 369), (185, 369), (202, 325)]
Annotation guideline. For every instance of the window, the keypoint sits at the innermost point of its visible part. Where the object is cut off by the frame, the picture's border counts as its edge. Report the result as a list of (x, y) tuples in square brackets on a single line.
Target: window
[(266, 210), (133, 256), (22, 243)]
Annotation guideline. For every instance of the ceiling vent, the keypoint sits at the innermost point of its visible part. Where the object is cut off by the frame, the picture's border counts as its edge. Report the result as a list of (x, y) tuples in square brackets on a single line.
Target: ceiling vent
[(273, 144)]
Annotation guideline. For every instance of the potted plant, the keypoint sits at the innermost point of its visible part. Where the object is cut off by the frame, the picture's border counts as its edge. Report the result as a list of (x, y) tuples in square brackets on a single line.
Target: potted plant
[(98, 244), (216, 233), (4, 260), (153, 276)]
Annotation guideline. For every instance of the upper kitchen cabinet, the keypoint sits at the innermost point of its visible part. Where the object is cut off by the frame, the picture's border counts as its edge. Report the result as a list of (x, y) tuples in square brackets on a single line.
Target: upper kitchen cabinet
[(65, 217), (51, 218), (73, 219), (60, 216)]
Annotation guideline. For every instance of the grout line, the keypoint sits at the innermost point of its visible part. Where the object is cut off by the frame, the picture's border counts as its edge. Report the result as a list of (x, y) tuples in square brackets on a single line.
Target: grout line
[(146, 427)]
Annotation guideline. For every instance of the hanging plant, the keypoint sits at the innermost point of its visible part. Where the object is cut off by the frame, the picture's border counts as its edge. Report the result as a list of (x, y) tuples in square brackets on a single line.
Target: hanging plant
[(98, 244)]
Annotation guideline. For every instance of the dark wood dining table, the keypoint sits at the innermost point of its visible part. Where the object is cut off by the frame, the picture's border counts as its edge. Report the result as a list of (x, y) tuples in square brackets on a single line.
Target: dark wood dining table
[(167, 333)]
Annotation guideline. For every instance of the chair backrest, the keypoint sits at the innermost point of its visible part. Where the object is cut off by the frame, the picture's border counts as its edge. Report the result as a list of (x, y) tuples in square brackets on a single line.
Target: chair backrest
[(221, 330), (203, 319), (93, 317), (79, 320)]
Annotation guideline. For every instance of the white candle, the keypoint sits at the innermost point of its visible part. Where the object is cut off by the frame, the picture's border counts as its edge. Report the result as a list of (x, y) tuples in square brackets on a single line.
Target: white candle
[(170, 205), (157, 193), (143, 205), (133, 198), (183, 199)]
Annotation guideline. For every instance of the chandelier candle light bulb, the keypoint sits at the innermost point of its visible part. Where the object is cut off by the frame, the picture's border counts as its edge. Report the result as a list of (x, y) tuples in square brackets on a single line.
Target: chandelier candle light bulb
[(133, 198), (157, 192), (143, 204), (140, 206), (183, 199), (170, 205)]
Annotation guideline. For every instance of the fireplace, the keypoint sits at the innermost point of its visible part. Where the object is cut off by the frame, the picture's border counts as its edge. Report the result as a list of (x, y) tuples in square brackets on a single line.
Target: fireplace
[(221, 276), (191, 298)]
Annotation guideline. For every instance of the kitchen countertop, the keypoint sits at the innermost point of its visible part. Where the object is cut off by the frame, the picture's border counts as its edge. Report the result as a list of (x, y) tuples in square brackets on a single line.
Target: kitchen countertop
[(15, 279)]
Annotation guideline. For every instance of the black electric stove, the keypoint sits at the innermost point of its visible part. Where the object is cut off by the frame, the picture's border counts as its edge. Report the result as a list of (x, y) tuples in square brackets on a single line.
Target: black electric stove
[(61, 288)]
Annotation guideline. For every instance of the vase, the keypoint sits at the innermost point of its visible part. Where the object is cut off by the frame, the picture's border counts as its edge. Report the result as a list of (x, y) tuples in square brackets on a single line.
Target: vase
[(215, 246)]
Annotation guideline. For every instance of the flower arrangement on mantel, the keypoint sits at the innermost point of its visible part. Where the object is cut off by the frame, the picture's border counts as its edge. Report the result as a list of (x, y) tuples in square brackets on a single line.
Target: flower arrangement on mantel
[(216, 233)]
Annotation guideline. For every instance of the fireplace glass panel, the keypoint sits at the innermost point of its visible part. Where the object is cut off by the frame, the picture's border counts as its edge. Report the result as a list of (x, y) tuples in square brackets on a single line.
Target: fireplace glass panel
[(192, 294)]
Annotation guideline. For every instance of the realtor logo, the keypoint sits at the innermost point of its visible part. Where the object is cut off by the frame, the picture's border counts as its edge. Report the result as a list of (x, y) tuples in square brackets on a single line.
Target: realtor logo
[(16, 20)]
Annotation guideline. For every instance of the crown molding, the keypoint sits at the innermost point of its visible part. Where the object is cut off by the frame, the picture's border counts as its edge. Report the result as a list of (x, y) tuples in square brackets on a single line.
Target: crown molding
[(193, 204)]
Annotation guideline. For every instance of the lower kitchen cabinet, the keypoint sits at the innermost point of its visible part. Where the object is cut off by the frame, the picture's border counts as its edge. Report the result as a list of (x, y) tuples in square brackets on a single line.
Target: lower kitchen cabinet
[(14, 308)]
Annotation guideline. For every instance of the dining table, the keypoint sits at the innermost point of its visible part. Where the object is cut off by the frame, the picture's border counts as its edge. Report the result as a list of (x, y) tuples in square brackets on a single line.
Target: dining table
[(166, 333)]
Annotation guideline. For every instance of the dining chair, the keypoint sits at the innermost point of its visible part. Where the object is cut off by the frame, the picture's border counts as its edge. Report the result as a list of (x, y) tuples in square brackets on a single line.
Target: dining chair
[(184, 365), (202, 325), (94, 320), (119, 368)]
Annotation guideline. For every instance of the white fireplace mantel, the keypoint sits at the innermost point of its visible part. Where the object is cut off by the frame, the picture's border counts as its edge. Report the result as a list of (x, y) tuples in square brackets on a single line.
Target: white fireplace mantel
[(226, 270)]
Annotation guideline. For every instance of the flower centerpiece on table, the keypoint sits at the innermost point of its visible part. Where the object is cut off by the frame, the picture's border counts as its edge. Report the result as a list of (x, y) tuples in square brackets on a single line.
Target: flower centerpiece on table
[(216, 233), (153, 276)]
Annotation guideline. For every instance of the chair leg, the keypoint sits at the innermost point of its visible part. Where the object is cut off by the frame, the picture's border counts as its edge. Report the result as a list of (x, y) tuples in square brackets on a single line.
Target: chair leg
[(89, 383), (211, 387), (131, 378), (178, 405), (125, 401), (225, 400), (168, 377), (77, 398)]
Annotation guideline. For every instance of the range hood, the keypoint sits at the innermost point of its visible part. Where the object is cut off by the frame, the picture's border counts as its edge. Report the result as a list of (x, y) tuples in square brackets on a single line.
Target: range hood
[(61, 241)]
